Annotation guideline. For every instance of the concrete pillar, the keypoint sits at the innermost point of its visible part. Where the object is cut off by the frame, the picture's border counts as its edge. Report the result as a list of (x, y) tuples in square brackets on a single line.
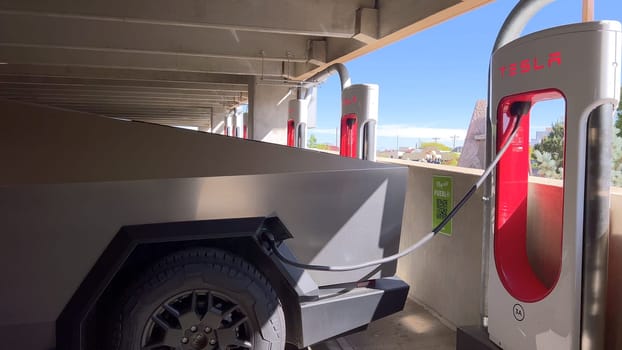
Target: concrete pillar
[(219, 124), (267, 111)]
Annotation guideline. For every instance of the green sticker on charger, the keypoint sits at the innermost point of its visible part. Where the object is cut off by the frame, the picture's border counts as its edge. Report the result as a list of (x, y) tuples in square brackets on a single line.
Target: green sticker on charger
[(442, 201)]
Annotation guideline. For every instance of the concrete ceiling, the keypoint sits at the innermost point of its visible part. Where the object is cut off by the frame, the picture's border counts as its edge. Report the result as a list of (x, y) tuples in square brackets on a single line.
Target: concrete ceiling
[(179, 62)]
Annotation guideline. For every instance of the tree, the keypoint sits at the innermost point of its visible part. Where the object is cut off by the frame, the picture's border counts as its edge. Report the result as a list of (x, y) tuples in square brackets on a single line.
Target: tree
[(546, 165), (619, 117), (312, 143), (553, 143), (548, 155), (437, 146), (616, 167), (453, 159)]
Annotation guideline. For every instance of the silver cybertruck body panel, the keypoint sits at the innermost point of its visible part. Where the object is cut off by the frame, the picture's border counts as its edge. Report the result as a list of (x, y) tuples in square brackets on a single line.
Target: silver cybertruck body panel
[(71, 181)]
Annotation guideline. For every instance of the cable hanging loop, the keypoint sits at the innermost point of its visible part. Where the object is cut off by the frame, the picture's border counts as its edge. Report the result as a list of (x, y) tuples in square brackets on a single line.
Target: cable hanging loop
[(521, 110)]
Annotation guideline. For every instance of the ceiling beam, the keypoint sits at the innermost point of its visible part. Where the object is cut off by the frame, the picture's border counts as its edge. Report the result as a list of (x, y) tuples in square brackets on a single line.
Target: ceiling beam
[(177, 122), (312, 18), (395, 15), (103, 102), (143, 107), (138, 111), (164, 120), (122, 74), (134, 60), (114, 94), (203, 122), (389, 32), (128, 37), (108, 84)]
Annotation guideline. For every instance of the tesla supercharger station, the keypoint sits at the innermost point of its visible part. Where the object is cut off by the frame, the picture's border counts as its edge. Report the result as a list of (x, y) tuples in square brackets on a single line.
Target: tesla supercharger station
[(228, 129), (359, 115), (297, 123), (581, 64), (245, 123), (240, 122)]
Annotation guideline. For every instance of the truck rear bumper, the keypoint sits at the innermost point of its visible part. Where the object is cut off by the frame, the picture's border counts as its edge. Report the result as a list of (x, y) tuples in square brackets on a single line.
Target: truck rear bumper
[(348, 309)]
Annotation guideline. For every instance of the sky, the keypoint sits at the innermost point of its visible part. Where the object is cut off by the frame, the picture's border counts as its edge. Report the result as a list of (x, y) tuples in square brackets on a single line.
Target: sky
[(429, 82)]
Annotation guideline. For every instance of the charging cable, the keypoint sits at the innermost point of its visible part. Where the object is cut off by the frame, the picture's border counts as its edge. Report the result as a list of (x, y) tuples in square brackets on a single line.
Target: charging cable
[(518, 109)]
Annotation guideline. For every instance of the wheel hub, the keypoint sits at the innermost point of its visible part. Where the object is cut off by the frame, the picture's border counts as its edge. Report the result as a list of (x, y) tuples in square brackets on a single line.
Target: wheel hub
[(198, 341), (198, 320)]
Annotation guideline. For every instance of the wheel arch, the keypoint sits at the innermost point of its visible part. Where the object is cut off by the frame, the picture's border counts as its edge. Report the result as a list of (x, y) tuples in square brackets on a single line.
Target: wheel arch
[(134, 247)]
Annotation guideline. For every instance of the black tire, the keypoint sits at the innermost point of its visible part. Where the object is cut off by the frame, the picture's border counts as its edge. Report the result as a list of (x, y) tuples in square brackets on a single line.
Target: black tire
[(198, 299)]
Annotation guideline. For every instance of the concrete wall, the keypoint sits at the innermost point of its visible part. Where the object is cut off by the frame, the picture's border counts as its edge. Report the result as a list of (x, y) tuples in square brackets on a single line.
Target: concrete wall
[(544, 228), (445, 275)]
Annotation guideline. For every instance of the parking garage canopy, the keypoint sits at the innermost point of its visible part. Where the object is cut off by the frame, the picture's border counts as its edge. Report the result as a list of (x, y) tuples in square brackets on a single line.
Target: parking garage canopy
[(183, 62)]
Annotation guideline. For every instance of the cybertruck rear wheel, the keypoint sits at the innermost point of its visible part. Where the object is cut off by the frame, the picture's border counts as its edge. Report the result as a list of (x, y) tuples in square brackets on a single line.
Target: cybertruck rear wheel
[(200, 299)]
